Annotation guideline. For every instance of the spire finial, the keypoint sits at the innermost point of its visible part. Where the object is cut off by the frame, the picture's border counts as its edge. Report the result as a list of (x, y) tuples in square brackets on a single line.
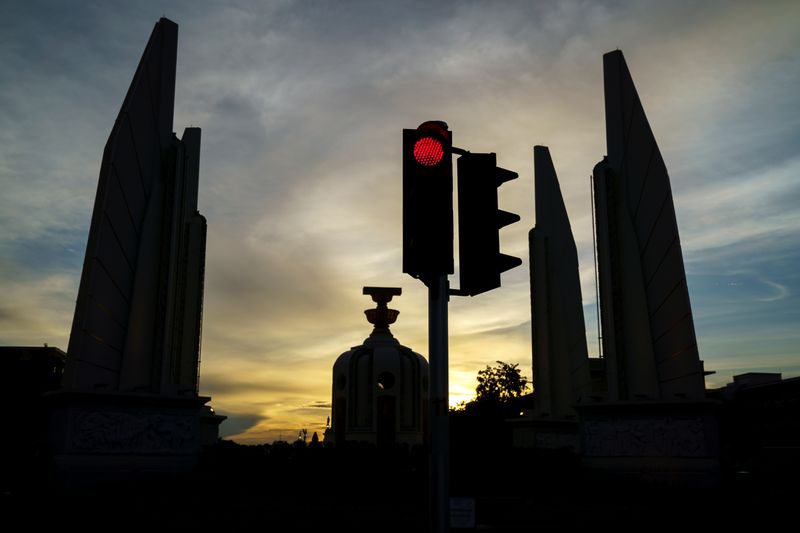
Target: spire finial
[(382, 316)]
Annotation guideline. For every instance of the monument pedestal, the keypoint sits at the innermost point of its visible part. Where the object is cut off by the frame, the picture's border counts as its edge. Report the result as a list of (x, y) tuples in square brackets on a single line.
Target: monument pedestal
[(665, 442), (113, 436), (546, 433)]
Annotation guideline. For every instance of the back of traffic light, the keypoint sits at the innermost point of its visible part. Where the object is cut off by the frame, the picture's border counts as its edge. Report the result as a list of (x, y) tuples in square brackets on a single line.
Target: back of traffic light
[(479, 222)]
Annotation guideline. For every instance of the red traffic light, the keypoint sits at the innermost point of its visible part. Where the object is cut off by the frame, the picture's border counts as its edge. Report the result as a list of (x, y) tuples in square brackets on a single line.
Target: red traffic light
[(428, 151), (427, 200)]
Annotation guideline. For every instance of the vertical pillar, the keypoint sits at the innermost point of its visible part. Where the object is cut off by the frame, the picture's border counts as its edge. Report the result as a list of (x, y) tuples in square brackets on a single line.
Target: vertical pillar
[(438, 295)]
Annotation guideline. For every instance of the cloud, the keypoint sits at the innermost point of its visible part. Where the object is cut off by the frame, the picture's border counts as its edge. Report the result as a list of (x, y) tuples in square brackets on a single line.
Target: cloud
[(318, 405), (225, 384), (35, 309), (741, 210), (779, 291), (238, 423)]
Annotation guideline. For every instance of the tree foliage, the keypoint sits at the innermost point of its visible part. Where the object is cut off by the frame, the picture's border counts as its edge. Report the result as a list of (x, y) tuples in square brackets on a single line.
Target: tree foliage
[(498, 384)]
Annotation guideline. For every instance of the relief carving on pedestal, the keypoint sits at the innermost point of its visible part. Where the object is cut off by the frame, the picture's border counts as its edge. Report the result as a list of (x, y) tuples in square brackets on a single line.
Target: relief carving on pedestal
[(667, 437), (132, 432)]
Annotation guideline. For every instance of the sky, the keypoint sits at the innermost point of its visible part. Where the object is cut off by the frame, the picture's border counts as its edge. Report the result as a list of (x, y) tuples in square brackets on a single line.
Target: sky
[(301, 106)]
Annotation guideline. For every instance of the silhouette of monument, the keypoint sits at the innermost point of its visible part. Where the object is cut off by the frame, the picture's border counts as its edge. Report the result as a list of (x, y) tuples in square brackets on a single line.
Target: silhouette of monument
[(648, 333), (380, 388), (561, 373), (131, 376), (560, 356), (655, 410)]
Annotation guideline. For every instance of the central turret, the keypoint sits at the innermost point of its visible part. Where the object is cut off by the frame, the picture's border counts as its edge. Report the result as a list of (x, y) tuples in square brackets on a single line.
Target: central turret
[(380, 388)]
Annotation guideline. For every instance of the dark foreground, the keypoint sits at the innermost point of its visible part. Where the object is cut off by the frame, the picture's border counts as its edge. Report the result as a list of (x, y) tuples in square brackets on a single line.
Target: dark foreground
[(361, 488)]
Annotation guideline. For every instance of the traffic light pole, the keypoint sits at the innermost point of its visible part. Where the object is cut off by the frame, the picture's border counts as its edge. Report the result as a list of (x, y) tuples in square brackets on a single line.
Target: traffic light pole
[(438, 296)]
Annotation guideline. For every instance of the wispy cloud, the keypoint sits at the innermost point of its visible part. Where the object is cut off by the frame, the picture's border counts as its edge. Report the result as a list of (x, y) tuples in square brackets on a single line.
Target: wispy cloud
[(779, 291)]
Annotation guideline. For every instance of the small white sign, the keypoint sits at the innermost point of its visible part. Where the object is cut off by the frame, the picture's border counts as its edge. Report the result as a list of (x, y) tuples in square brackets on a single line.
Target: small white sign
[(462, 513)]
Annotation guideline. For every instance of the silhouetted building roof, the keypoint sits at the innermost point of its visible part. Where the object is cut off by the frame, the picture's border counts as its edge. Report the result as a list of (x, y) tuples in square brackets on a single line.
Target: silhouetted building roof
[(760, 418), (30, 370), (26, 374)]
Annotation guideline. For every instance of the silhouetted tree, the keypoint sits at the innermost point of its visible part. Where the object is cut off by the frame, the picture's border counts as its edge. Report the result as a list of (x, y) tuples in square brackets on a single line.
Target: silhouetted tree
[(500, 383), (498, 388), (480, 425)]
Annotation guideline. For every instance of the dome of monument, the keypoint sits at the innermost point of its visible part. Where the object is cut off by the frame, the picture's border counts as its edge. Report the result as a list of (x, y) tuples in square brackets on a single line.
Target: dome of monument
[(380, 388)]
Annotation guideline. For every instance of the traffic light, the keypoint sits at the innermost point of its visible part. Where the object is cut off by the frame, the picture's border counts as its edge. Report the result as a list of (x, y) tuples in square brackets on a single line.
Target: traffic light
[(479, 222), (428, 201)]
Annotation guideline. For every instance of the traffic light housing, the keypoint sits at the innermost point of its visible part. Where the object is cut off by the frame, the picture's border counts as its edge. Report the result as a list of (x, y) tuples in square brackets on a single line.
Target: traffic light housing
[(428, 201), (479, 222)]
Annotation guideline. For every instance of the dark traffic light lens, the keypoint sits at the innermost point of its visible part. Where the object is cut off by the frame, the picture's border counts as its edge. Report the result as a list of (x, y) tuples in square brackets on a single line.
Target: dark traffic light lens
[(428, 151)]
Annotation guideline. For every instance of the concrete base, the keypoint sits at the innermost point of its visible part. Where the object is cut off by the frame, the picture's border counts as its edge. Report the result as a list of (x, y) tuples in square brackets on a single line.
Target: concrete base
[(407, 438), (111, 436), (545, 433), (669, 442)]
